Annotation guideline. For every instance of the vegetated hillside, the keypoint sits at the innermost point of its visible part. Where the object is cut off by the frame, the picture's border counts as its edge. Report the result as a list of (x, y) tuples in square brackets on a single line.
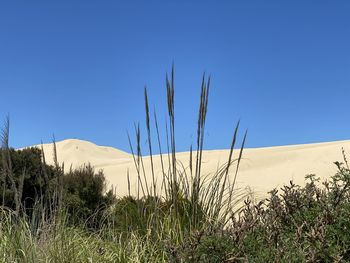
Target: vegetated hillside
[(261, 169)]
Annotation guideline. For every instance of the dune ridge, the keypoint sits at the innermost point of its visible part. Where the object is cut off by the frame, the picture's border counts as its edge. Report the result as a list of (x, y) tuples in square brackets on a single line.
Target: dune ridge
[(261, 170)]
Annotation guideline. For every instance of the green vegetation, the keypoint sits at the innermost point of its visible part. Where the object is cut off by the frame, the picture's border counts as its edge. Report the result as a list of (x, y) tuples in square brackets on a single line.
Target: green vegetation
[(31, 188), (84, 197), (24, 177), (47, 215)]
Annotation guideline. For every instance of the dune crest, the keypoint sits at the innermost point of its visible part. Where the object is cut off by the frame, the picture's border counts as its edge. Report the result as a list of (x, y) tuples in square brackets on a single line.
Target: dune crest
[(262, 169)]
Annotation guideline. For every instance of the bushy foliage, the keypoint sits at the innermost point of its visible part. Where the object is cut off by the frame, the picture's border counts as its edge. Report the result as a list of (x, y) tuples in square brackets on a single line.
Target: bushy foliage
[(84, 195), (203, 246), (295, 224), (38, 179), (82, 191)]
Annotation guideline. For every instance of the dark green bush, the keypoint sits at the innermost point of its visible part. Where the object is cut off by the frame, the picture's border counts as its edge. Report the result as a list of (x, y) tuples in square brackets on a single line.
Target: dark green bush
[(83, 191), (38, 179), (84, 195), (203, 246)]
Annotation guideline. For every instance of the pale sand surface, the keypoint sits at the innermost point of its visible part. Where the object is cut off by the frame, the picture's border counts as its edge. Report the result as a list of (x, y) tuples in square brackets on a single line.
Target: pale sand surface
[(262, 169)]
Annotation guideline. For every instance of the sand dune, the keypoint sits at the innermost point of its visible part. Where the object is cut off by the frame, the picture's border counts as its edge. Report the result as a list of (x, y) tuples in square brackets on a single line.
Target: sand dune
[(261, 169)]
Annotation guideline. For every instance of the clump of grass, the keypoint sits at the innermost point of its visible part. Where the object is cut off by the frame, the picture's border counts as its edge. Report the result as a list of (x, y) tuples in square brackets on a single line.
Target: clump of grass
[(59, 242), (187, 198)]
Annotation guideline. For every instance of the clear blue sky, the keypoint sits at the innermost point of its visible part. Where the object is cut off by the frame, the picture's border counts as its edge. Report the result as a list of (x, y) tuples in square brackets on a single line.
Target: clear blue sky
[(78, 68)]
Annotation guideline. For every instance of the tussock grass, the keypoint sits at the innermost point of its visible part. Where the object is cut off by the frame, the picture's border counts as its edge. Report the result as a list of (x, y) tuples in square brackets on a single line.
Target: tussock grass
[(193, 200), (61, 243)]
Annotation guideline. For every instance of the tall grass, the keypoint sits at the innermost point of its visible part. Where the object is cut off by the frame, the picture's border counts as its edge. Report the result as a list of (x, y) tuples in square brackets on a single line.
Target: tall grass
[(192, 200), (60, 243), (7, 172)]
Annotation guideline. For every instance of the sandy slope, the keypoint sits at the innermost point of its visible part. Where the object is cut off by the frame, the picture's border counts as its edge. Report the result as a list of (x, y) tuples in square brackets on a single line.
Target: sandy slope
[(261, 169)]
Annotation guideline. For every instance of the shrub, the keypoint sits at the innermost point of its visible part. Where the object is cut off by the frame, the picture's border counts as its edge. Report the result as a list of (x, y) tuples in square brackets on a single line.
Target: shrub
[(38, 179), (38, 185), (84, 195), (204, 246)]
